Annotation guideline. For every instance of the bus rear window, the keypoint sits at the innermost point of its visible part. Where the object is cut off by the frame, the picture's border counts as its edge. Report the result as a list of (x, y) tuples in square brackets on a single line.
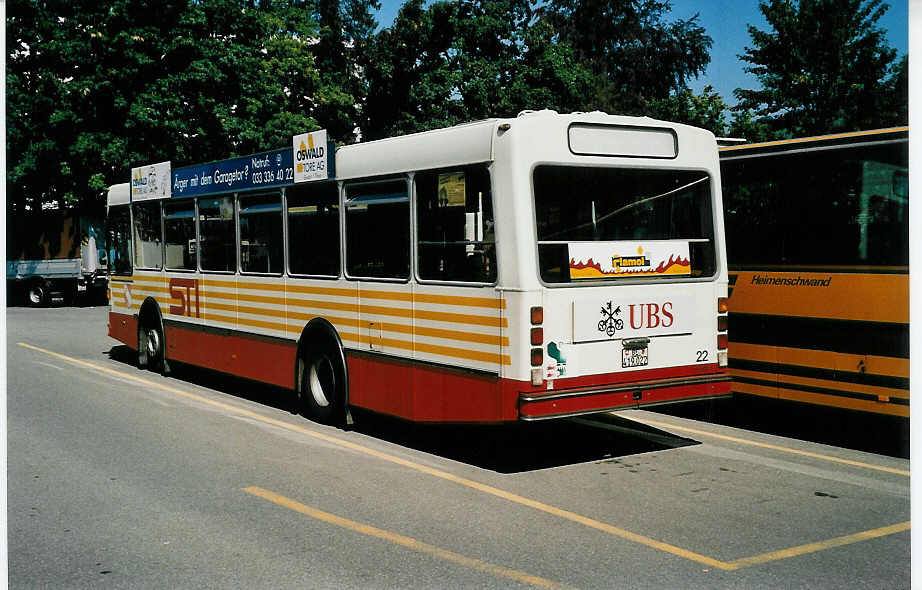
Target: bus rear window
[(653, 212)]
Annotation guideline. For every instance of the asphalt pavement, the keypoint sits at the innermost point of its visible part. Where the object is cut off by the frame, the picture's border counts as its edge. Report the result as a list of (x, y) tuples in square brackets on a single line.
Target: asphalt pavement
[(122, 478)]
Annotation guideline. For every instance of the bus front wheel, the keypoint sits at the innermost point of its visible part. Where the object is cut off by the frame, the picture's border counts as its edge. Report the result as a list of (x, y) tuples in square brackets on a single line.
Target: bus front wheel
[(150, 346)]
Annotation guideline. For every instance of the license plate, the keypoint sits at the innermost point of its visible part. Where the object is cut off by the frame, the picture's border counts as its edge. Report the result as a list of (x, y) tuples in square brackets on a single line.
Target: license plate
[(635, 357)]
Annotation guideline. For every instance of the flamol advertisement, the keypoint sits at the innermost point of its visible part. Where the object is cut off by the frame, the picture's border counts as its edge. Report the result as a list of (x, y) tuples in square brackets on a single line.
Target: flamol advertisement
[(604, 260)]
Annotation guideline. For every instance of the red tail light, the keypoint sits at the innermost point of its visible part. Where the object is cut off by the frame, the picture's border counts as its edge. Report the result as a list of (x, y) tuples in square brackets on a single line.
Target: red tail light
[(721, 342), (537, 316), (722, 323), (537, 336), (537, 357)]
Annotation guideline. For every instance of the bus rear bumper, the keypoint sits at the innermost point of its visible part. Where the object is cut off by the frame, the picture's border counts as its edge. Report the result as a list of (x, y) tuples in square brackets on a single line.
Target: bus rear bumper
[(544, 405)]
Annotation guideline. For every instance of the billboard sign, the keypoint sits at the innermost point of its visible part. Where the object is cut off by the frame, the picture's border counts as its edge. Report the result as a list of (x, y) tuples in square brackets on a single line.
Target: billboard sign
[(151, 181)]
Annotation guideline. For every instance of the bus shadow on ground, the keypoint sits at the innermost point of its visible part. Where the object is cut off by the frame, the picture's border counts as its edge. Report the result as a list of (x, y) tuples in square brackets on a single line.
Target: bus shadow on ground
[(521, 446), (260, 393), (872, 433), (508, 448)]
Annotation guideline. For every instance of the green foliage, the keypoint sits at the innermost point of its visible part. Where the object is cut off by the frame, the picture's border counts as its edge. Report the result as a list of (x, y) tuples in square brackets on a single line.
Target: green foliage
[(94, 88), (452, 62), (745, 125), (706, 110), (635, 56), (97, 87), (823, 67)]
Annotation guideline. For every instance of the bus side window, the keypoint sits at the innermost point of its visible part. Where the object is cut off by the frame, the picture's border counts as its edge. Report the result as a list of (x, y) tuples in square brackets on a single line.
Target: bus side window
[(261, 234), (148, 241), (217, 239), (454, 212), (179, 235), (118, 240), (751, 210), (378, 229), (313, 229)]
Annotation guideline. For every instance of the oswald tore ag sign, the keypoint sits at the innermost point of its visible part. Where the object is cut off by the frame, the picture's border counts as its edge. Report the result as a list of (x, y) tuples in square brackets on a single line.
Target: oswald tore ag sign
[(313, 156)]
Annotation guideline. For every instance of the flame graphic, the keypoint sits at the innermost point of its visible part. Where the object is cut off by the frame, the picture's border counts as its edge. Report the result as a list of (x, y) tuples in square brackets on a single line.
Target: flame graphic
[(581, 265), (676, 265)]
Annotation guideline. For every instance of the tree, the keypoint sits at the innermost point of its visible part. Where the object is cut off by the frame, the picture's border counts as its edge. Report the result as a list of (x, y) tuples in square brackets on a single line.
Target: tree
[(95, 88), (635, 56), (346, 30), (452, 62), (823, 67), (706, 110)]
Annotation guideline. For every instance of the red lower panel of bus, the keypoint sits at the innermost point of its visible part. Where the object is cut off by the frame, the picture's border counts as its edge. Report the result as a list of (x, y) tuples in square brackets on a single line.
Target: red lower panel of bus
[(124, 328), (556, 403), (431, 393)]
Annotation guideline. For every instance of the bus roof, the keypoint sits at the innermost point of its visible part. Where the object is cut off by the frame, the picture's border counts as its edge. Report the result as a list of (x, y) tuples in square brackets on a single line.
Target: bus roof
[(468, 143), (816, 142)]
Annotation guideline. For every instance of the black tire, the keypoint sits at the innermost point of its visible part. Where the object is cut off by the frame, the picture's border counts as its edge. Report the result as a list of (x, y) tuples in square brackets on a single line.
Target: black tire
[(321, 385), (150, 345), (37, 294)]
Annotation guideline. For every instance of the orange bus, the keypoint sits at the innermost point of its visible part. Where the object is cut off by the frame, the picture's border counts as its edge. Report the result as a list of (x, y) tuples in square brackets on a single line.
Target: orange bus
[(817, 239)]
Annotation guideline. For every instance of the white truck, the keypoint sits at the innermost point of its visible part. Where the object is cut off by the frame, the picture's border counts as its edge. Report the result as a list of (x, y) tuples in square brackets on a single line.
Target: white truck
[(56, 255)]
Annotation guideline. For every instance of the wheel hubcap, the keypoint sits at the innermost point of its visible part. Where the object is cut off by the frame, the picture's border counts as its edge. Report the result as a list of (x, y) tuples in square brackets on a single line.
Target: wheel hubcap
[(322, 381), (153, 343)]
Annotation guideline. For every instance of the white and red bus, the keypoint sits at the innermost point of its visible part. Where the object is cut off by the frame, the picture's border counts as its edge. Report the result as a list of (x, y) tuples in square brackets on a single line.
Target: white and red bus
[(537, 267)]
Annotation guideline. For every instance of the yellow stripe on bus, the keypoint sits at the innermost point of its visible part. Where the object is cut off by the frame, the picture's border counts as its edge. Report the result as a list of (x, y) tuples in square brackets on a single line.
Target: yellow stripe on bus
[(449, 351), (411, 330), (820, 268), (821, 359), (405, 313), (352, 292), (357, 291), (456, 335), (799, 140), (845, 296), (822, 399), (883, 393), (386, 326)]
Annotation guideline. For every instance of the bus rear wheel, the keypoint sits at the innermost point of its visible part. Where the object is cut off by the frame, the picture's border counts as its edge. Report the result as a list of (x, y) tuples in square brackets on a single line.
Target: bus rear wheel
[(321, 387)]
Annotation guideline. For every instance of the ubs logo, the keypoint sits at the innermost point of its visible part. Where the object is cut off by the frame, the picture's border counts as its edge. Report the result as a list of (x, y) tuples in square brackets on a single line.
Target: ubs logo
[(642, 316), (610, 323)]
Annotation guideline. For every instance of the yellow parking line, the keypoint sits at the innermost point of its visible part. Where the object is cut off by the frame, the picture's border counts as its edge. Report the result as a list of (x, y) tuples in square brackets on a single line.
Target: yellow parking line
[(565, 514), (408, 542), (821, 545), (667, 425)]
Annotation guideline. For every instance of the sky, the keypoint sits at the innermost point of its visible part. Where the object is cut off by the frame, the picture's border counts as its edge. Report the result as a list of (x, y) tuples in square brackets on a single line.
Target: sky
[(726, 22)]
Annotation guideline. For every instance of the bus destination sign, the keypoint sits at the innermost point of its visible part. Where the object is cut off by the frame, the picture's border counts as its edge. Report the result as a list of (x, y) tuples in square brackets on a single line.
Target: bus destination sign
[(267, 169)]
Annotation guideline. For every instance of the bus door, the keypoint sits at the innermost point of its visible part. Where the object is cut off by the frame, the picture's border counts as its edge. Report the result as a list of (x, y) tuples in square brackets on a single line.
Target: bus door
[(377, 219)]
